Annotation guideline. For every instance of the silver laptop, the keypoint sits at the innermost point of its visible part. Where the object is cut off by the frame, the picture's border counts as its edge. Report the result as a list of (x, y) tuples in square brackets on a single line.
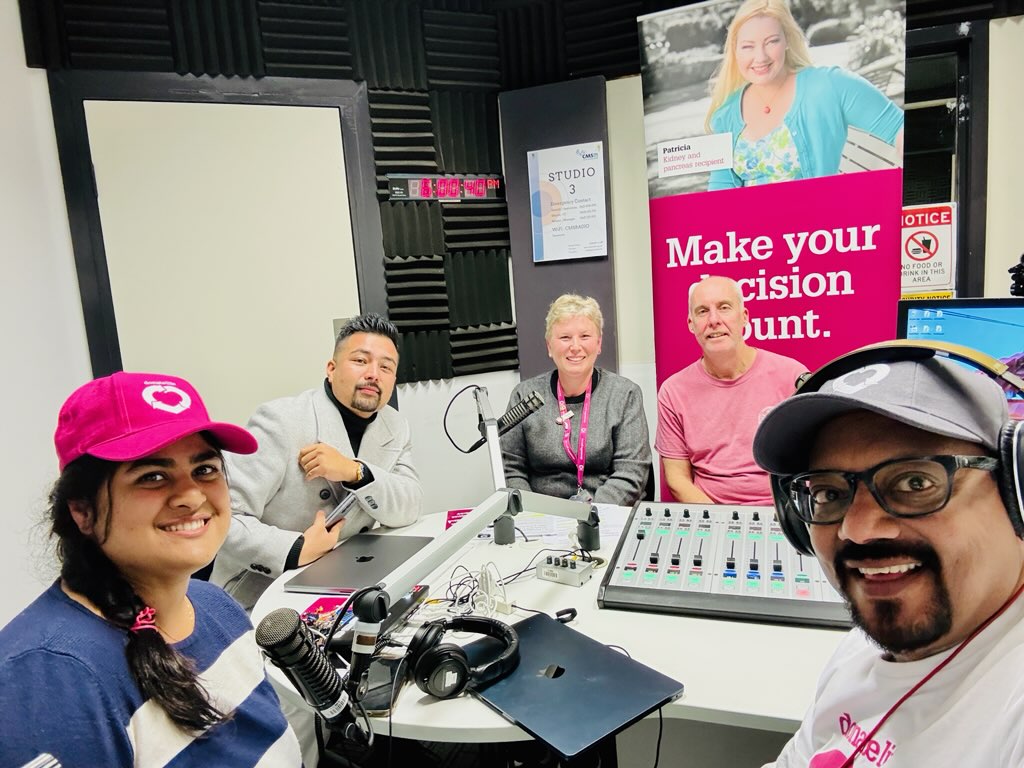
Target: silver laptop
[(358, 562)]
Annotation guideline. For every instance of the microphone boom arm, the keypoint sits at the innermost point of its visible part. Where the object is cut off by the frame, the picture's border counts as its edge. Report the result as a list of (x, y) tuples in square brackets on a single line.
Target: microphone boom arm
[(489, 430)]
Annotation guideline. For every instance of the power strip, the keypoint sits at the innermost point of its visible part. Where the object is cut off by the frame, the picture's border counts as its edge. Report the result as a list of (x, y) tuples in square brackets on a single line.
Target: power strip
[(566, 570)]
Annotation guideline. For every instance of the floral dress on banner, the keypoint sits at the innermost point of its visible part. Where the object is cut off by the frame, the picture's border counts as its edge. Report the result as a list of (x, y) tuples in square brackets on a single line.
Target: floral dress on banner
[(767, 160)]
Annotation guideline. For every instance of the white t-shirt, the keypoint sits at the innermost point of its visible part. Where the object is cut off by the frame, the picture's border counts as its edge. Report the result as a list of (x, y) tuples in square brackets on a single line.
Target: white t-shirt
[(971, 713)]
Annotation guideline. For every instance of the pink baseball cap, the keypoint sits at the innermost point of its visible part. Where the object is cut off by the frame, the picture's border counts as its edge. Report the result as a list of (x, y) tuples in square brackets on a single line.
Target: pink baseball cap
[(125, 416)]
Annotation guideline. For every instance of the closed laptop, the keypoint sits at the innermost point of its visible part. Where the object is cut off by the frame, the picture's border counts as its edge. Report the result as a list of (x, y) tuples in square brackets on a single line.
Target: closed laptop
[(357, 562), (570, 691)]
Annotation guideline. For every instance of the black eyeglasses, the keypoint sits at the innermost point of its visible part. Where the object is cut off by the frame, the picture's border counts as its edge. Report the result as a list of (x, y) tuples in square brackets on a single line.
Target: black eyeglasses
[(909, 487)]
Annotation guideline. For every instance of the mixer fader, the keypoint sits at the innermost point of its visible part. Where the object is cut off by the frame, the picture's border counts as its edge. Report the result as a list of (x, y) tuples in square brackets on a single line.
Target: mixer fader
[(720, 561)]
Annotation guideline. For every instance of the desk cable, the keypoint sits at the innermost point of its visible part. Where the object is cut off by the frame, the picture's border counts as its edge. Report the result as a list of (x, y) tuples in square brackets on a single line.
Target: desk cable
[(661, 718)]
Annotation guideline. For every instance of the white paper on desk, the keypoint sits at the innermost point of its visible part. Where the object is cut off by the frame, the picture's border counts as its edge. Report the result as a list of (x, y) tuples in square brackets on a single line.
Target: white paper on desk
[(537, 527), (613, 522)]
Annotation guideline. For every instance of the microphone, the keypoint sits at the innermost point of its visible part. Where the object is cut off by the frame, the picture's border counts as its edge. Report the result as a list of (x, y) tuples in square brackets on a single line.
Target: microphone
[(513, 417), (288, 643), (370, 609)]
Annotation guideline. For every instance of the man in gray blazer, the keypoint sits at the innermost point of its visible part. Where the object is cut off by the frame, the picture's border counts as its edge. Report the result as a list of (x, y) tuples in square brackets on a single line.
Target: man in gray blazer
[(316, 449)]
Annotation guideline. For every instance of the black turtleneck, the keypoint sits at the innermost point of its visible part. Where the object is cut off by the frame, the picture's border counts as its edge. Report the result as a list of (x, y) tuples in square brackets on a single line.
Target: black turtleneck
[(355, 425)]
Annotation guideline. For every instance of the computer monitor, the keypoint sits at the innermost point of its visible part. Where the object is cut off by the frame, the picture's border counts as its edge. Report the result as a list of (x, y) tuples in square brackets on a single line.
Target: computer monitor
[(992, 326)]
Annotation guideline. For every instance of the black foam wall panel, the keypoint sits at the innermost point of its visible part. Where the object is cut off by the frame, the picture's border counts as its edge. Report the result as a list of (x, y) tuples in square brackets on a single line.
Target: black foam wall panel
[(433, 69)]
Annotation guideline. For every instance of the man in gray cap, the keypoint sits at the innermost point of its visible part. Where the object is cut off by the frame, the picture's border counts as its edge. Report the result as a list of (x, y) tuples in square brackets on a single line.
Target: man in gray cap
[(891, 472)]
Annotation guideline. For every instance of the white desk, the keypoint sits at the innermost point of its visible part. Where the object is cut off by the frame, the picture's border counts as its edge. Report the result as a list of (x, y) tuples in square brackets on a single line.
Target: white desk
[(741, 674)]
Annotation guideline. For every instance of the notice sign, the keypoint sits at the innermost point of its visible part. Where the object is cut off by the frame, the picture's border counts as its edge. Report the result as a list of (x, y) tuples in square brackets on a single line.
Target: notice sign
[(929, 253), (698, 154), (567, 202)]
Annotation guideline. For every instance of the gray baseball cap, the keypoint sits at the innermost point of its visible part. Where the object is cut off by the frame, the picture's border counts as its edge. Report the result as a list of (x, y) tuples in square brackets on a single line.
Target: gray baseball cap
[(935, 394)]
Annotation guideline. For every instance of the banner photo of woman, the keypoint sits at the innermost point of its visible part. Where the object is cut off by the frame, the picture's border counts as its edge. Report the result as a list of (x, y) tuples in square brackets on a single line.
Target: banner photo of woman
[(743, 93)]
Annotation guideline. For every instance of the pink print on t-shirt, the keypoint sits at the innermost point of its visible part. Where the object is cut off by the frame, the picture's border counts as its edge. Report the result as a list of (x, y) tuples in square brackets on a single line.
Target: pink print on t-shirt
[(831, 759)]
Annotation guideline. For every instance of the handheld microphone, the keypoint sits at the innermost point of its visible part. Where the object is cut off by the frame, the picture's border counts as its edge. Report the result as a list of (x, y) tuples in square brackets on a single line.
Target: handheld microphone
[(513, 417), (287, 642)]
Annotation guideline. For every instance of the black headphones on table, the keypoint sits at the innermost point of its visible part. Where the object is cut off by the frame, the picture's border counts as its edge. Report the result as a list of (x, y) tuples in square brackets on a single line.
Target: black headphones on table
[(1009, 476), (443, 670)]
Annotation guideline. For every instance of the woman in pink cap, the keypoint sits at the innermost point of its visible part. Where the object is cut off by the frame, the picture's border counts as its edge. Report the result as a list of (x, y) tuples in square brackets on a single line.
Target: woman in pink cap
[(126, 660)]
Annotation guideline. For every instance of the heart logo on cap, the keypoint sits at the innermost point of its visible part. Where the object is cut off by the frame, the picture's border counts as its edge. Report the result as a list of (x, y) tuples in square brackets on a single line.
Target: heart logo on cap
[(855, 381), (156, 396)]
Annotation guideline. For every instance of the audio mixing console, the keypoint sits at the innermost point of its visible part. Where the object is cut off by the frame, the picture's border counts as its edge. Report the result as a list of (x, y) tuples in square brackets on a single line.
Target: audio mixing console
[(717, 561)]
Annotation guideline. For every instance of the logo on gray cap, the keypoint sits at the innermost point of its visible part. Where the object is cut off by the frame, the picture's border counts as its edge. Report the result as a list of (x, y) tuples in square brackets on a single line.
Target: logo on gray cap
[(862, 378)]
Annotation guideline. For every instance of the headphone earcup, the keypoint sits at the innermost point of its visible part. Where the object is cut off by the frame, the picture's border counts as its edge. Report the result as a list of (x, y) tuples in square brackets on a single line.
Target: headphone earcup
[(1011, 460), (442, 671), (426, 637), (794, 529)]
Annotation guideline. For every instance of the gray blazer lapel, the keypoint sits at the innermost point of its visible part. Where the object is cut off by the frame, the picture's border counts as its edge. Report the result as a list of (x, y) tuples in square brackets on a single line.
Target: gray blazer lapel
[(379, 445)]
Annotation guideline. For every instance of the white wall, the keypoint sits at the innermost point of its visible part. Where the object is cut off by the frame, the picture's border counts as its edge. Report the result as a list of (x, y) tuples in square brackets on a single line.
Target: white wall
[(1004, 238), (452, 480), (238, 215), (43, 350), (631, 237)]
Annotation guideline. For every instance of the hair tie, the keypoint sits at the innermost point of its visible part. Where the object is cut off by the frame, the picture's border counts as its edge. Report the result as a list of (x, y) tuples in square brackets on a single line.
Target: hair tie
[(145, 620)]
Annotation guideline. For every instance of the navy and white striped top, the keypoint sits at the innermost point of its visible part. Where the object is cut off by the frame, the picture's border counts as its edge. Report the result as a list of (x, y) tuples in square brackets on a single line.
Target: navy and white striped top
[(65, 689)]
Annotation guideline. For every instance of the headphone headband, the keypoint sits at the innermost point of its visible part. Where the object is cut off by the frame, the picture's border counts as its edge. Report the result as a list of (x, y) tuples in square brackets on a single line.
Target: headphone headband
[(1010, 440), (907, 349), (482, 625)]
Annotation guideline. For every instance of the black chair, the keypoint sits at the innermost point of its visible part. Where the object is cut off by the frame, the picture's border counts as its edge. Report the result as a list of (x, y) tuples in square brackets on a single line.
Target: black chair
[(649, 488)]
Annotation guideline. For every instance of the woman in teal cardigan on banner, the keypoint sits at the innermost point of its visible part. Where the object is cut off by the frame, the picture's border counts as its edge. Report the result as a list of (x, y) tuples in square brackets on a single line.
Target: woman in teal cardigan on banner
[(788, 119)]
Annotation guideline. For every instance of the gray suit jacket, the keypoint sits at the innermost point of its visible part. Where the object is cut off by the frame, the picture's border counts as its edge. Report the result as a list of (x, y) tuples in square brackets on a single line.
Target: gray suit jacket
[(272, 501)]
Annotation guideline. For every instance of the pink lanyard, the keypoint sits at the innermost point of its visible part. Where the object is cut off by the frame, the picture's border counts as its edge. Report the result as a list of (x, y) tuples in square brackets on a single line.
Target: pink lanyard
[(579, 460)]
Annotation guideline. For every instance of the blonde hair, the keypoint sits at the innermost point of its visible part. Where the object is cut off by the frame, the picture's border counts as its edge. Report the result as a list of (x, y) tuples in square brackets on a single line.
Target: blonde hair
[(728, 78), (571, 305)]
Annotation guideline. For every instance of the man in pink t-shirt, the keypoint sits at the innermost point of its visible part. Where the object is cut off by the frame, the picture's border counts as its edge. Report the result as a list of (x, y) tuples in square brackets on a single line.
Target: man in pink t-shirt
[(708, 412)]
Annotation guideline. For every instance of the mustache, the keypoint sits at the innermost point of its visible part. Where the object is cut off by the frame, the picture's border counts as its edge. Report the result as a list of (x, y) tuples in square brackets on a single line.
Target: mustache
[(880, 550), (367, 384)]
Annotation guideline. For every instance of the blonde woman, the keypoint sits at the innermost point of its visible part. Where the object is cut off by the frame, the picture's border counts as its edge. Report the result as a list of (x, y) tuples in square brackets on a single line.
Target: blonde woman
[(788, 119), (589, 440)]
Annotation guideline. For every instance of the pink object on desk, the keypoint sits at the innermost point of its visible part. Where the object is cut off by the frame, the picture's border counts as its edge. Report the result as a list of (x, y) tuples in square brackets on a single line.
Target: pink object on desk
[(454, 515), (325, 604)]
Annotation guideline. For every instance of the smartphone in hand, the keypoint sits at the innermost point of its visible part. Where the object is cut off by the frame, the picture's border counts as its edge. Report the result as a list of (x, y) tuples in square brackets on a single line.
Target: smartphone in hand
[(339, 512)]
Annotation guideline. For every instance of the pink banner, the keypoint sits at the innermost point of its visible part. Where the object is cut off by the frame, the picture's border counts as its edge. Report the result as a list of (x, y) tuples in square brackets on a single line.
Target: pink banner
[(818, 261)]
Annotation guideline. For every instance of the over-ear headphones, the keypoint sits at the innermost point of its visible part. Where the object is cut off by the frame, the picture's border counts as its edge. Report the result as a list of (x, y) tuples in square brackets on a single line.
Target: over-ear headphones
[(443, 670), (1011, 438)]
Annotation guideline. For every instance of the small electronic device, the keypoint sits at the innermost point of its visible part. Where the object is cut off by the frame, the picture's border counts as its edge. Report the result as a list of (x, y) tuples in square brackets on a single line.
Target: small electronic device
[(455, 188), (573, 571), (340, 511), (992, 326), (382, 690)]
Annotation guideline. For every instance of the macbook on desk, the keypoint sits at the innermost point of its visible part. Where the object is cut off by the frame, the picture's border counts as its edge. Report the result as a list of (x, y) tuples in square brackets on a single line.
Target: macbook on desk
[(358, 562), (570, 691)]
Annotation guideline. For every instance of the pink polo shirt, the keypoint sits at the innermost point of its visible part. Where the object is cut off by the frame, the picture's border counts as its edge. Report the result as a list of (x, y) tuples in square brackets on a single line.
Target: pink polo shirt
[(711, 423)]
